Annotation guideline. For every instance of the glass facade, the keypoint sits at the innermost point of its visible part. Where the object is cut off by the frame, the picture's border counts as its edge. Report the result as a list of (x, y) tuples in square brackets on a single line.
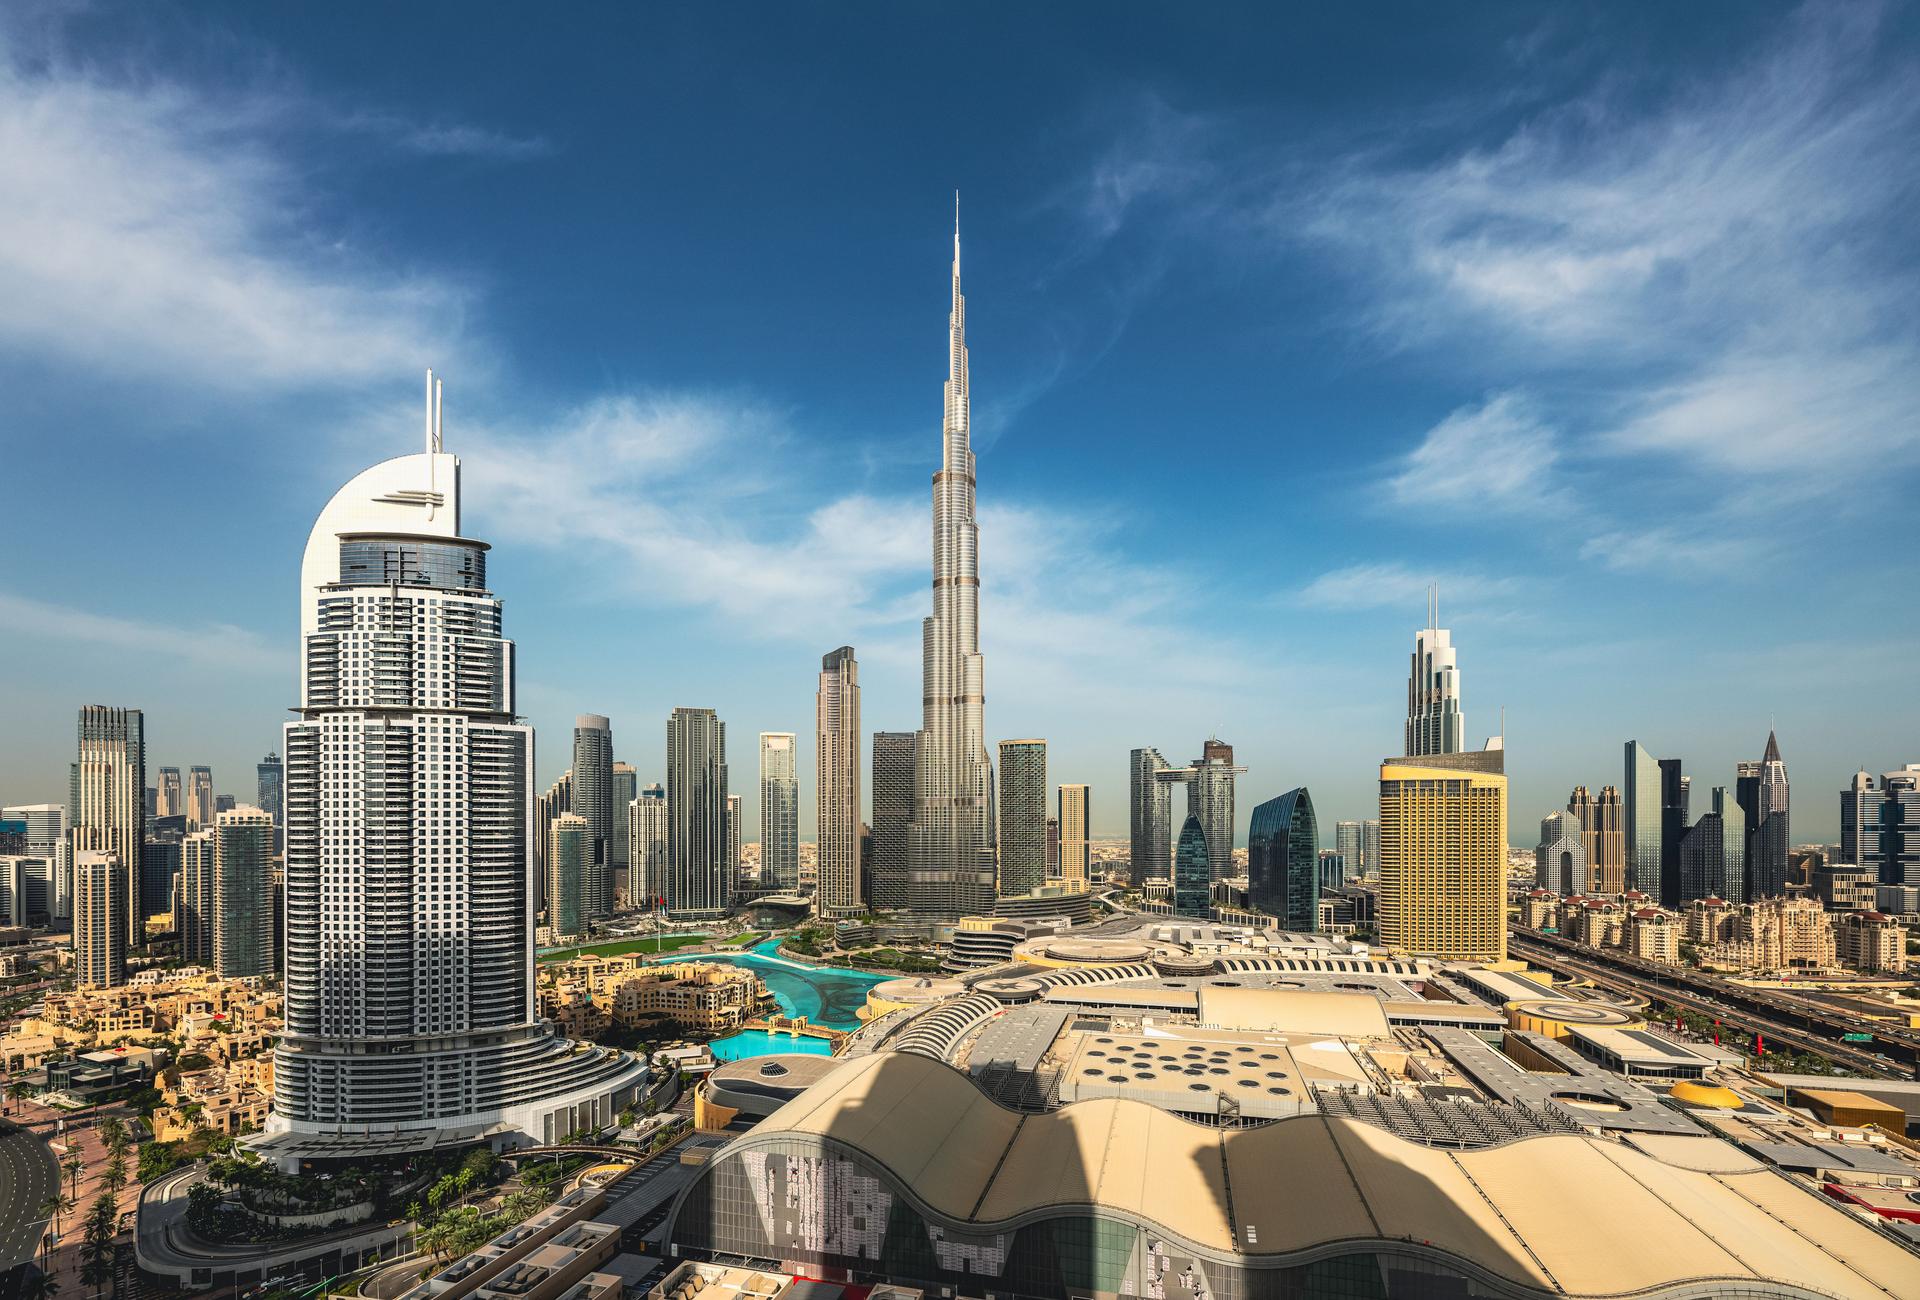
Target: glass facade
[(1192, 876), (391, 561), (1283, 859)]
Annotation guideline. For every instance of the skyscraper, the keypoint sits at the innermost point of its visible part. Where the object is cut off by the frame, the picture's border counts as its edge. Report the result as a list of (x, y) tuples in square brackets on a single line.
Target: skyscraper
[(1435, 724), (1713, 853), (593, 799), (1076, 834), (1641, 804), (647, 836), (626, 788), (1347, 843), (557, 799), (1150, 816), (102, 891), (1370, 846), (950, 849), (1192, 873), (892, 817), (1210, 798), (1443, 855), (1764, 796), (196, 903), (107, 797), (49, 843), (730, 848), (1283, 860), (1603, 836), (779, 812), (1880, 825), (1674, 790), (410, 1010), (1560, 859), (200, 809), (271, 785), (569, 863), (243, 932), (1022, 810), (168, 800), (698, 884), (837, 787)]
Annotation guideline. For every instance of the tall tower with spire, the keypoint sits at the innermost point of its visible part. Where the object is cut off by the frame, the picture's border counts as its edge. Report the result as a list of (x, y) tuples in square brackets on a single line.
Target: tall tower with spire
[(1764, 797), (950, 850), (1435, 724)]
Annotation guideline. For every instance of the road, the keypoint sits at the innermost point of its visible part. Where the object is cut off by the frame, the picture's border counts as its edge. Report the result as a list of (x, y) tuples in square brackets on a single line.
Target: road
[(1610, 975), (28, 1176)]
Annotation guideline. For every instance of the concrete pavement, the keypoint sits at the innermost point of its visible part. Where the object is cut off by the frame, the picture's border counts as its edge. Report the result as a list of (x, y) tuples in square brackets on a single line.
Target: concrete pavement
[(28, 1176)]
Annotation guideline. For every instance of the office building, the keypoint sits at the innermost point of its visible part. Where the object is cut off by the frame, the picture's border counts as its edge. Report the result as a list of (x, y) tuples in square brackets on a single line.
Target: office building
[(1764, 797), (1209, 780), (270, 787), (1192, 872), (168, 799), (626, 788), (1435, 724), (243, 929), (698, 883), (22, 890), (48, 842), (408, 879), (592, 798), (1640, 805), (779, 812), (1022, 810), (950, 847), (1346, 843), (647, 836), (1675, 791), (1713, 853), (1076, 835), (892, 796), (200, 809), (837, 784), (223, 803), (1333, 868), (159, 867), (1560, 859), (1443, 855), (569, 862), (1880, 825), (1283, 861), (730, 852), (107, 801), (557, 799), (1149, 816), (1603, 835), (195, 902), (102, 890)]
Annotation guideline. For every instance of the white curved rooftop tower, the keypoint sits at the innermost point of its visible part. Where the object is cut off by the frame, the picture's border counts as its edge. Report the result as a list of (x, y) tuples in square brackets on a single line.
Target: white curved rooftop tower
[(950, 852), (410, 895)]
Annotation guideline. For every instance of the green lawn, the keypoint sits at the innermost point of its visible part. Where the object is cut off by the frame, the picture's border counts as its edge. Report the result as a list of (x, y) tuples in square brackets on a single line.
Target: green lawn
[(615, 947), (748, 939)]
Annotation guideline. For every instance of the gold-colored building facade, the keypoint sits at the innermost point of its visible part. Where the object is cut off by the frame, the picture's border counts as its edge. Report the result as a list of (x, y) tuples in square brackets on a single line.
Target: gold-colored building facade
[(1443, 845)]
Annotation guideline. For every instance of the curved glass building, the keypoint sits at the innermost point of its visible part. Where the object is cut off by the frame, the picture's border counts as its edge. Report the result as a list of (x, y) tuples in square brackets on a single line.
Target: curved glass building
[(410, 894), (1283, 860), (896, 1167), (1192, 874)]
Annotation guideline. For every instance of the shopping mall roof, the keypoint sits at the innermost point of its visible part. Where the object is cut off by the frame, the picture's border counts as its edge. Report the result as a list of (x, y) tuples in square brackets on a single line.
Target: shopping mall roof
[(1559, 1213), (1351, 1015)]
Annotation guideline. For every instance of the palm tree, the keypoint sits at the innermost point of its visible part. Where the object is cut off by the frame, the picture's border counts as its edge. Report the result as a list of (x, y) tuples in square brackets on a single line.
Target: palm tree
[(39, 1286), (74, 1165), (52, 1206)]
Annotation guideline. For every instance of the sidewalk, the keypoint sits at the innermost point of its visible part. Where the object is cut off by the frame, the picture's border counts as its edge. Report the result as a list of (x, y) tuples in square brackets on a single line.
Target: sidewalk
[(82, 1140)]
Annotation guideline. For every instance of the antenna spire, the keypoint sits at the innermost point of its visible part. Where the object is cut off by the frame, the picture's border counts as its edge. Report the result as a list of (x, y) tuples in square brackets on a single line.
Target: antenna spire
[(956, 233)]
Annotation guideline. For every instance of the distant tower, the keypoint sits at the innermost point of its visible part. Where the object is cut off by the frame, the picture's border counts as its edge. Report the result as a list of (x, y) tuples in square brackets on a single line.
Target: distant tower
[(1149, 816), (593, 799), (271, 785), (730, 850), (1283, 861), (1560, 859), (1712, 853), (1764, 797), (200, 809), (1435, 724), (698, 884), (1192, 873), (779, 812), (647, 840), (1210, 793), (950, 848), (837, 786), (195, 903), (1602, 823), (626, 788), (892, 816), (1022, 810), (243, 931), (108, 804), (168, 800), (569, 863), (1076, 835)]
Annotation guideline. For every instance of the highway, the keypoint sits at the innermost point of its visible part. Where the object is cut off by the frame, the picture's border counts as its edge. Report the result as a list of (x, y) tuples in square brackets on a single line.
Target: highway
[(28, 1176), (1667, 985)]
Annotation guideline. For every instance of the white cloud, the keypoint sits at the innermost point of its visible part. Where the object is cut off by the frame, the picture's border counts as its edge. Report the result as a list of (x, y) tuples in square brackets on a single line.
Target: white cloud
[(1396, 586), (1498, 455), (147, 232), (210, 645)]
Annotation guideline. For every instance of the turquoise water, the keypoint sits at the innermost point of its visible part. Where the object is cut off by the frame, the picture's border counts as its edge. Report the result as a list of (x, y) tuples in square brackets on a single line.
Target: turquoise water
[(758, 1042), (825, 995)]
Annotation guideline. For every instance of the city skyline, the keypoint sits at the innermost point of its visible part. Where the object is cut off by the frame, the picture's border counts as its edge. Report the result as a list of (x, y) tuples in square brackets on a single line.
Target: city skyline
[(1100, 317)]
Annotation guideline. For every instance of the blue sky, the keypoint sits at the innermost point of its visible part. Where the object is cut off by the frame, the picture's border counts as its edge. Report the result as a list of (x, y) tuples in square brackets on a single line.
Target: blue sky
[(1603, 320)]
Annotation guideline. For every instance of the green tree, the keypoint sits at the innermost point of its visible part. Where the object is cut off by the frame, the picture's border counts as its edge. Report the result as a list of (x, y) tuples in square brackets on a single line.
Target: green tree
[(96, 1245), (73, 1167), (113, 1134), (41, 1286)]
